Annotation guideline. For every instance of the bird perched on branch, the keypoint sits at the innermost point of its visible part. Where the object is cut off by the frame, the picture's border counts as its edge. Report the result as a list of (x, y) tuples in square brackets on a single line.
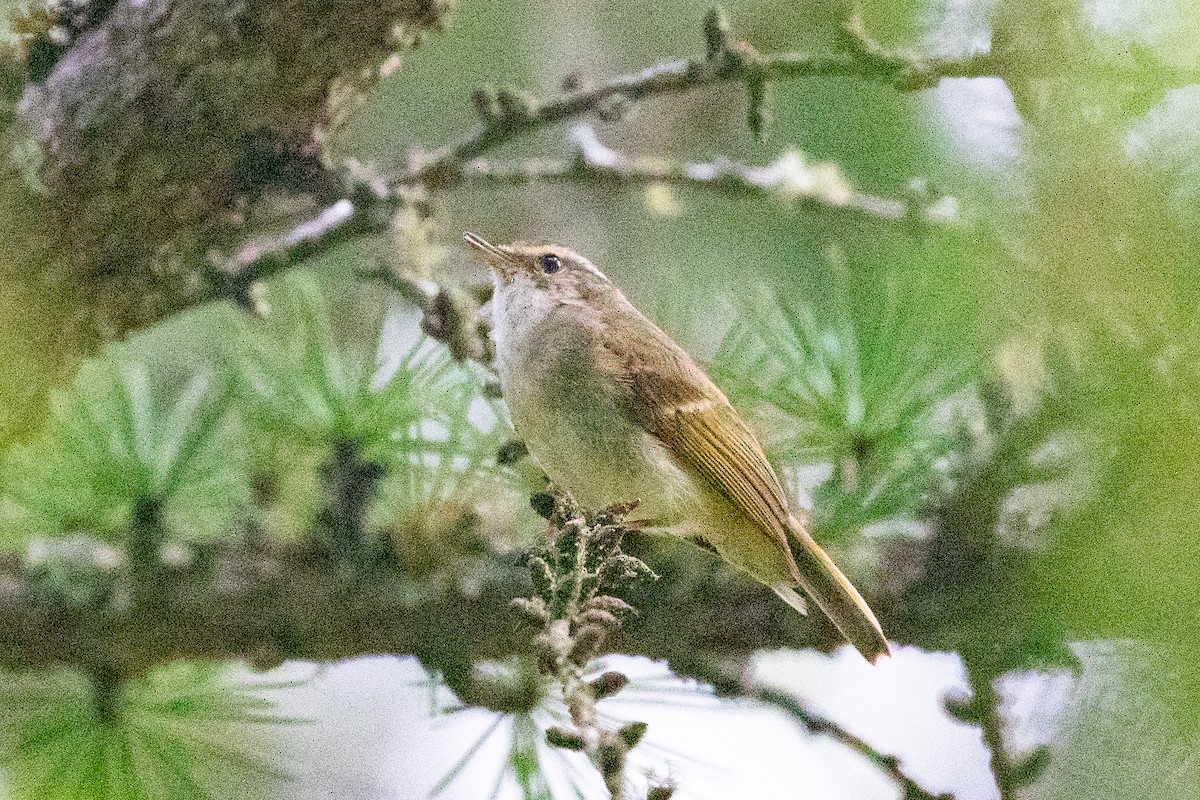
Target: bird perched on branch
[(613, 410)]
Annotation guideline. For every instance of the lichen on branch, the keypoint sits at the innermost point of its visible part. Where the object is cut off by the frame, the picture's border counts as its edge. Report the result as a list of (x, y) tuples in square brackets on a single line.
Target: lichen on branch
[(573, 582)]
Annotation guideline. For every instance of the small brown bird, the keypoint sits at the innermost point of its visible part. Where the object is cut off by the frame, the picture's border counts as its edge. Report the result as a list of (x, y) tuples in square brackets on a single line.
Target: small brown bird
[(613, 410)]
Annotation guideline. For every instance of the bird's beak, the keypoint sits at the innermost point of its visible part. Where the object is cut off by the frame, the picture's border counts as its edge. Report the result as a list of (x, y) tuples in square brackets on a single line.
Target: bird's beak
[(498, 257)]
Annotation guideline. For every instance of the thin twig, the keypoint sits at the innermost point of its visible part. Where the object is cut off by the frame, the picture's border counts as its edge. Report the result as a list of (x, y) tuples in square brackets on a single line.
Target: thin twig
[(449, 316), (789, 178), (984, 702), (233, 277), (734, 61), (368, 208), (581, 565), (816, 723)]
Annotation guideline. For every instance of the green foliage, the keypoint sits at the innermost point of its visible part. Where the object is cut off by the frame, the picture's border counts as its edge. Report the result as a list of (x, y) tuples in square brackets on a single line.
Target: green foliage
[(304, 384), (316, 384), (114, 440), (868, 386), (187, 732)]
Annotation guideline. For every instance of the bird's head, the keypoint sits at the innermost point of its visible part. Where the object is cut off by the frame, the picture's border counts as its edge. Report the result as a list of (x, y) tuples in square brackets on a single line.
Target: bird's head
[(554, 269)]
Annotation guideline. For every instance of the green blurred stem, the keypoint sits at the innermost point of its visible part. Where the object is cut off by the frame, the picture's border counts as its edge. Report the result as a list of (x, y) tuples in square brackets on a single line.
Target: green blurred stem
[(985, 703), (350, 484), (107, 685), (146, 536)]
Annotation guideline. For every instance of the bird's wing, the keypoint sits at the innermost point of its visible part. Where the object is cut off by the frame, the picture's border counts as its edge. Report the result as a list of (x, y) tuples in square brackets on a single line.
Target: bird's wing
[(673, 399)]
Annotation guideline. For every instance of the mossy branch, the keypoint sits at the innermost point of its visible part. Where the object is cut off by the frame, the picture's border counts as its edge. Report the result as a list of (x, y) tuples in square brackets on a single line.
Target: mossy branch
[(264, 602)]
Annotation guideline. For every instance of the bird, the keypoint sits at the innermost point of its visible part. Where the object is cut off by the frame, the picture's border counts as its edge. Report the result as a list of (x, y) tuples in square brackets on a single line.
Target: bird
[(613, 410)]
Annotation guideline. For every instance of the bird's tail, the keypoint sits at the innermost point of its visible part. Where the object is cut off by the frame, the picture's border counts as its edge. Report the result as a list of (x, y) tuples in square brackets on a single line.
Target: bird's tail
[(832, 591)]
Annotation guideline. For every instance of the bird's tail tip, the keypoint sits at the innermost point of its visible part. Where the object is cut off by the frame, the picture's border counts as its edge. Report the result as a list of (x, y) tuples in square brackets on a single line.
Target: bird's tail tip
[(879, 653), (832, 591)]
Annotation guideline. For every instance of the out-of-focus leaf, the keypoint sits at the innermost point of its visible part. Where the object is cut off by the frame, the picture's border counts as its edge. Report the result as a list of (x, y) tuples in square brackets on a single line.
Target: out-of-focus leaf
[(188, 731), (115, 439), (874, 391)]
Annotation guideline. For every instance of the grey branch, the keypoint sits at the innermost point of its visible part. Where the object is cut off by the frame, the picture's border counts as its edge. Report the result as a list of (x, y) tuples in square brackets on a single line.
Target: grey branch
[(789, 179), (729, 61), (509, 115)]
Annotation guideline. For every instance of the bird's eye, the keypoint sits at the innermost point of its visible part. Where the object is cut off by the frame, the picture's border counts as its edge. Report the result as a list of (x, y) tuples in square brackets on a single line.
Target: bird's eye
[(549, 263)]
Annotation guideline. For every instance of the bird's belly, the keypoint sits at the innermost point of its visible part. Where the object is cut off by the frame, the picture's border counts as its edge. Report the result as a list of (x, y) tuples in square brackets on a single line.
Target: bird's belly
[(571, 415), (620, 464), (577, 431), (601, 458)]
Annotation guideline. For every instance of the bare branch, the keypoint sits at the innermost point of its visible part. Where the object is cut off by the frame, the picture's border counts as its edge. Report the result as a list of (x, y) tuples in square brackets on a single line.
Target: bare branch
[(507, 115), (819, 724), (789, 179), (232, 278), (734, 61)]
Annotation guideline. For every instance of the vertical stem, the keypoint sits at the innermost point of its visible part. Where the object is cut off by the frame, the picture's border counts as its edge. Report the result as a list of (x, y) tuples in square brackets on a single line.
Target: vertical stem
[(350, 483), (614, 781), (146, 536), (106, 683), (603, 745), (985, 700)]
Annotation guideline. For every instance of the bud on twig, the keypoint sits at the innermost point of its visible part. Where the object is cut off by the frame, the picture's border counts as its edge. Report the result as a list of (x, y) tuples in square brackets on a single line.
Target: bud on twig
[(963, 709), (543, 504), (632, 733), (567, 740), (484, 100), (534, 610), (515, 105), (613, 605), (588, 640), (608, 684), (610, 755), (604, 619), (511, 452), (1030, 768), (718, 33)]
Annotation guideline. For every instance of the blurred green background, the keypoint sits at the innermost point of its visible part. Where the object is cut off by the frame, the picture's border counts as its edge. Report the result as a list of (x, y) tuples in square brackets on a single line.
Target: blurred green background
[(1014, 395)]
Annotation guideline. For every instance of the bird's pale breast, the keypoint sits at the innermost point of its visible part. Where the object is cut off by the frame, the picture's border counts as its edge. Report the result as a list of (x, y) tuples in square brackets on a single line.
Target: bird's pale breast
[(569, 414)]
